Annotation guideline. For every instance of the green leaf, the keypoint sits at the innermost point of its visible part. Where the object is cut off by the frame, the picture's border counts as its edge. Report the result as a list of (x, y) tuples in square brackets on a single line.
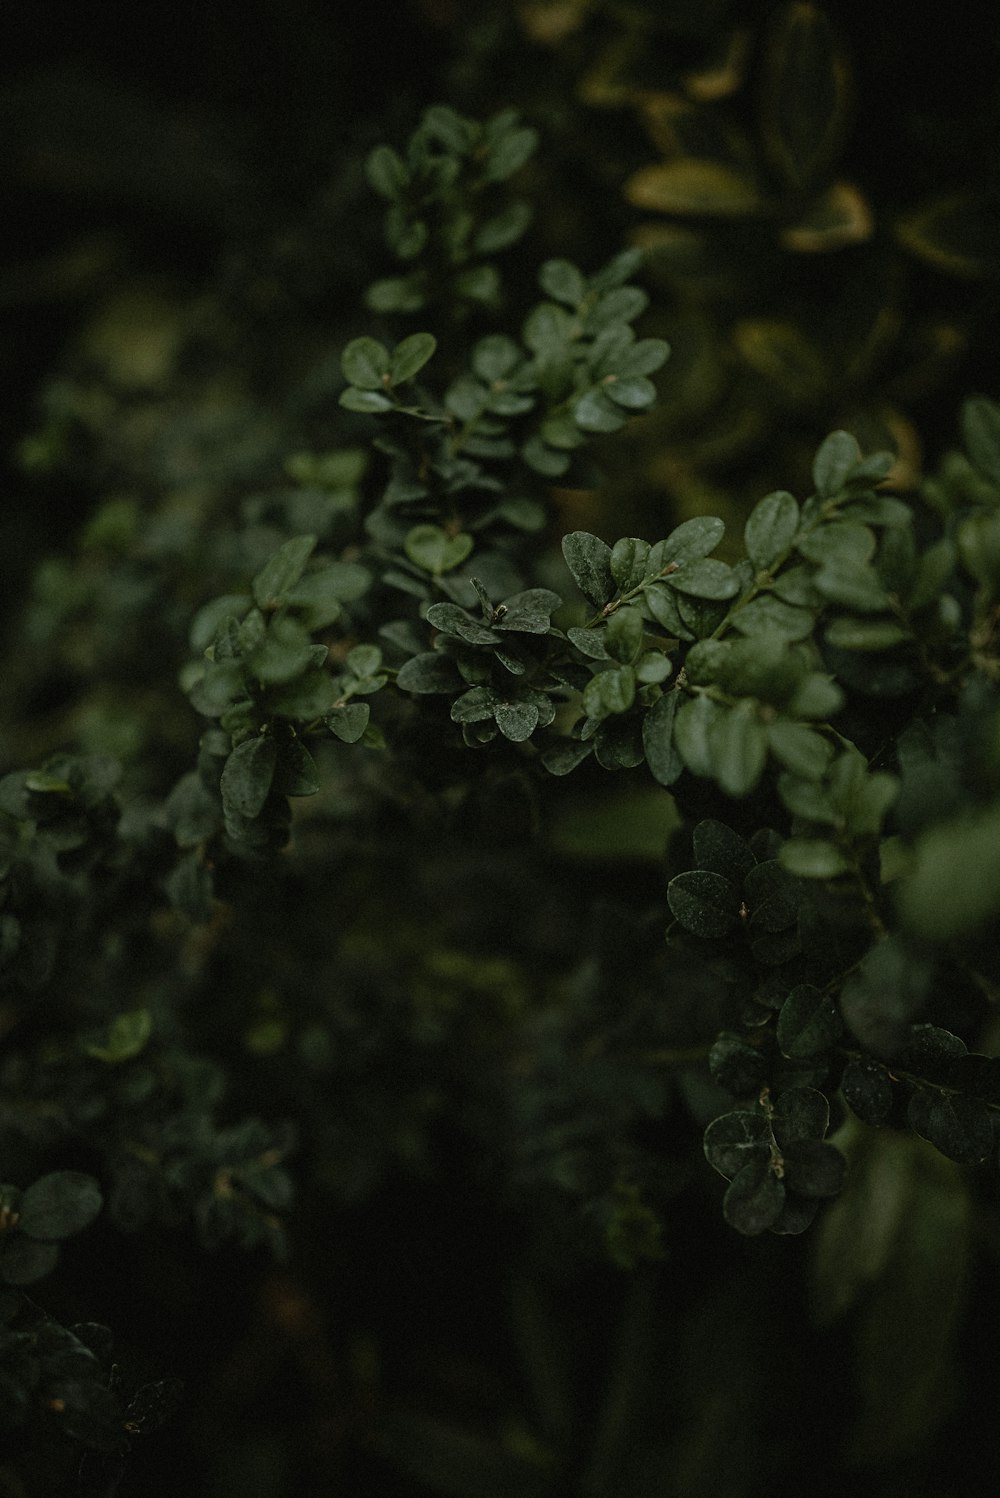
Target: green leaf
[(960, 1127), (867, 1090), (812, 858), (662, 758), (428, 674), (688, 542), (348, 722), (808, 1023), (735, 1140), (25, 1262), (609, 692), (247, 775), (543, 458), (59, 1205), (474, 706), (693, 725), (495, 357), (837, 456), (628, 562), (589, 561), (754, 1199), (800, 749), (738, 749), (953, 888), (393, 294), (561, 280), (528, 612), (364, 401), (563, 758), (866, 634), (123, 1038), (771, 528), (409, 357), (813, 1169), (767, 614), (366, 364), (282, 571), (593, 412), (706, 578), (517, 721), (981, 430), (386, 172), (840, 541), (548, 330), (510, 152), (504, 228), (817, 697), (296, 773), (722, 851), (705, 903), (643, 357), (430, 547), (799, 1113), (633, 392), (623, 636)]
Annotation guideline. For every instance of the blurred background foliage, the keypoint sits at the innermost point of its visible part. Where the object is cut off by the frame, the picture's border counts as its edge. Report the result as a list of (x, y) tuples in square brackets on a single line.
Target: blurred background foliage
[(507, 1280)]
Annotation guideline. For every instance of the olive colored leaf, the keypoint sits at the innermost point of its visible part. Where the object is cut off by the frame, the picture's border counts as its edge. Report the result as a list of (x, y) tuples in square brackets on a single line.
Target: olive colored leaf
[(786, 355), (123, 1038), (509, 152), (410, 356), (805, 97), (866, 634), (771, 528), (349, 721), (867, 1090), (722, 851), (808, 1023), (589, 561), (282, 571), (662, 757), (247, 775), (834, 461), (394, 294), (738, 749), (735, 1140), (387, 172), (706, 904), (688, 185), (366, 364), (59, 1205), (955, 232), (981, 431), (813, 1168), (754, 1199), (504, 228), (840, 216), (812, 858)]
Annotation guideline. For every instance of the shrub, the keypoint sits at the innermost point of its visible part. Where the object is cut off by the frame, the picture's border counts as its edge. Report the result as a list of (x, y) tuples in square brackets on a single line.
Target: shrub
[(322, 898)]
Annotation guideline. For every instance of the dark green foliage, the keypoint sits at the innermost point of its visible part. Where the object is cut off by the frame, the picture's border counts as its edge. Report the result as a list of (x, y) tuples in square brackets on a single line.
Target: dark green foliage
[(334, 895)]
